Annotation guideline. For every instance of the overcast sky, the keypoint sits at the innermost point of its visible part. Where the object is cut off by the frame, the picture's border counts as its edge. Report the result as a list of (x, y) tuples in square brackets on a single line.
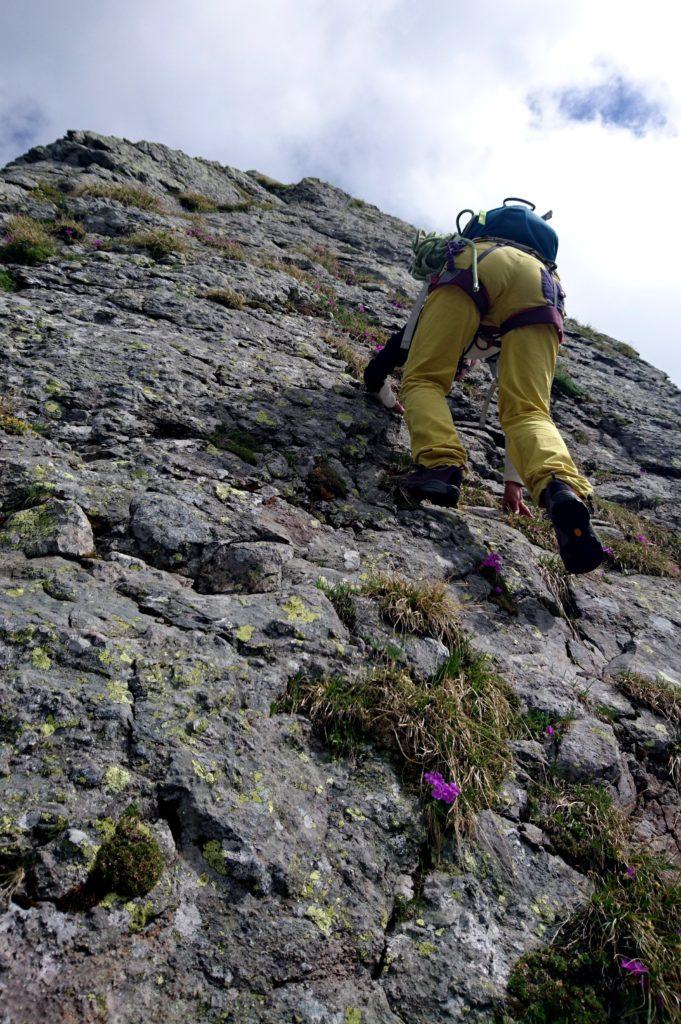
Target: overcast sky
[(420, 108)]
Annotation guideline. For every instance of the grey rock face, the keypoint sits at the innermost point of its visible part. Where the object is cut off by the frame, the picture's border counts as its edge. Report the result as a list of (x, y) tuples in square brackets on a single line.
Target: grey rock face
[(183, 455), (55, 528)]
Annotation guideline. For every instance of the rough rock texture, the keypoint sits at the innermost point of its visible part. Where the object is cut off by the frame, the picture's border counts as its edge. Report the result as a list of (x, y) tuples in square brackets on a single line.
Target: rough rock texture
[(190, 472)]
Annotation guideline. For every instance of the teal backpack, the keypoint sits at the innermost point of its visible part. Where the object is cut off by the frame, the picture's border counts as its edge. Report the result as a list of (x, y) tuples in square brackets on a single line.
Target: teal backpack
[(519, 226)]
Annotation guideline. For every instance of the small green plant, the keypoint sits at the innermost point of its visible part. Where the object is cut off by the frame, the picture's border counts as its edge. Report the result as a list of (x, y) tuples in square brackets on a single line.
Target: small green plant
[(195, 202), (225, 297), (7, 282), (324, 483), (46, 192), (10, 423), (341, 597), (130, 862), (238, 442), (563, 383), (156, 242), (27, 242), (128, 195)]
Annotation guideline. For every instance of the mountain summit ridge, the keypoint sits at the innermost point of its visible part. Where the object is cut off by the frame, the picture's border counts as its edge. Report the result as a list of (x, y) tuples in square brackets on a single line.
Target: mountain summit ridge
[(216, 622)]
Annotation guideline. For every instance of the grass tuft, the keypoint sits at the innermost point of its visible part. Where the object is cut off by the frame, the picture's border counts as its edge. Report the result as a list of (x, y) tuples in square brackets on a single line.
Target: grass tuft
[(341, 597), (7, 282), (354, 359), (563, 383), (660, 697), (632, 915), (10, 423), (26, 242), (425, 608), (457, 724), (128, 195), (195, 202), (225, 297), (69, 231), (156, 242)]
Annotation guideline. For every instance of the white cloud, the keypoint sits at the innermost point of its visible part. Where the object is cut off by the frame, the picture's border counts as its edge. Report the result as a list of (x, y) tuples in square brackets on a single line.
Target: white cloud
[(421, 109)]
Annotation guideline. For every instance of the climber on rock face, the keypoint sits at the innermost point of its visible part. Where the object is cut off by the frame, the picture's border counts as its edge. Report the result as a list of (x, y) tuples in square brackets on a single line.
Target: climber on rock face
[(509, 311)]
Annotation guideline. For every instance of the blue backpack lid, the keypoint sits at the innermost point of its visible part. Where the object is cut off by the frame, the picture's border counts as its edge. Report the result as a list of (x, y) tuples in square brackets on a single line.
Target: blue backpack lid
[(516, 224)]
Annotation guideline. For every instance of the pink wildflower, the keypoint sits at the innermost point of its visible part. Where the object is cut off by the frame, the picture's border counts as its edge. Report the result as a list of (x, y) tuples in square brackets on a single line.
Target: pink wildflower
[(642, 539), (550, 730), (631, 872), (492, 561), (361, 307), (378, 348), (635, 967), (445, 791), (609, 552)]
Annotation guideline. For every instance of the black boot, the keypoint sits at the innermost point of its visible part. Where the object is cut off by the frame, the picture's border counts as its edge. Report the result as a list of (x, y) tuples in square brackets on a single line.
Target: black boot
[(441, 486), (580, 548)]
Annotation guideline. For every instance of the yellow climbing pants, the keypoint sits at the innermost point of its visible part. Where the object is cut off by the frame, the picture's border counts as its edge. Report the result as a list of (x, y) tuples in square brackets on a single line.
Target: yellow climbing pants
[(447, 325)]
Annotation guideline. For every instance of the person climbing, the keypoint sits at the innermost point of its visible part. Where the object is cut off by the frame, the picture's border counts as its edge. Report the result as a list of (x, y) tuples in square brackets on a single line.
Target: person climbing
[(496, 294)]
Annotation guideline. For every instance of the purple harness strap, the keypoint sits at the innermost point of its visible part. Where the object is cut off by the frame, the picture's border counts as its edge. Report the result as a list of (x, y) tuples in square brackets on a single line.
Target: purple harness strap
[(464, 281), (537, 315)]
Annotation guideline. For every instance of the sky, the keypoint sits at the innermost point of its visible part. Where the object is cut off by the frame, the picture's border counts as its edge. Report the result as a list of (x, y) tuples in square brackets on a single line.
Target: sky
[(422, 109)]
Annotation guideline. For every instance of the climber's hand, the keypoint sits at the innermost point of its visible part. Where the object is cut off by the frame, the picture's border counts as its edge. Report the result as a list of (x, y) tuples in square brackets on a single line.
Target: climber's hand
[(388, 398), (513, 500)]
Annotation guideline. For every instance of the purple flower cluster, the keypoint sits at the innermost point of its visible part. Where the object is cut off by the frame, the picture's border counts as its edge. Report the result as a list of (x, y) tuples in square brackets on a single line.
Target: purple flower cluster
[(609, 552), (445, 791), (397, 304), (492, 561), (642, 539)]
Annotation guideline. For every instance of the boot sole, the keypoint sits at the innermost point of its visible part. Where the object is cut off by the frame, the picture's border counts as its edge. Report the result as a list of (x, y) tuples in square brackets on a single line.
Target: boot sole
[(580, 548)]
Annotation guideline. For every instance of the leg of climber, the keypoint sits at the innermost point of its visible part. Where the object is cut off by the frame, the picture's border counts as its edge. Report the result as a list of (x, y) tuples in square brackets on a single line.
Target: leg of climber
[(526, 367), (447, 324)]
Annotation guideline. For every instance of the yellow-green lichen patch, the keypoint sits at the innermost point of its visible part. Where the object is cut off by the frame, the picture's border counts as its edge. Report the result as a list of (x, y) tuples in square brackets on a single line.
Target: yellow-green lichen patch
[(352, 1016), (205, 774), (14, 592), (297, 611), (427, 948), (116, 779), (322, 917), (140, 914), (244, 633), (40, 659), (118, 692)]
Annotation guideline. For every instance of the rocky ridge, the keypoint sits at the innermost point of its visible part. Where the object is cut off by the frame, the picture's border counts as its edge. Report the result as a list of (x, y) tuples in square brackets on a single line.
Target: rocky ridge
[(184, 453)]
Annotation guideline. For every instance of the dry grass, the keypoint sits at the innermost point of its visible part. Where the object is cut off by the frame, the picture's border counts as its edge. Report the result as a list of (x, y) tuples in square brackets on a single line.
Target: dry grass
[(659, 697), (69, 231), (225, 297), (475, 495), (355, 360), (128, 195), (425, 608), (10, 882), (664, 541)]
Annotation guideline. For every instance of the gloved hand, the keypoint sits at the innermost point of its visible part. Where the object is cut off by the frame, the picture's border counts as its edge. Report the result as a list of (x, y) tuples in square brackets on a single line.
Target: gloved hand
[(513, 500)]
